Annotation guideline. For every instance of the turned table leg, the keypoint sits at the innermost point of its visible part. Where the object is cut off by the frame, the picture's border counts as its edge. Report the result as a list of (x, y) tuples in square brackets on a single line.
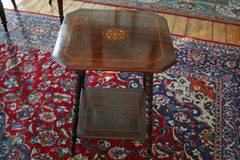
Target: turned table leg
[(3, 17), (14, 4), (78, 87), (148, 86), (60, 10)]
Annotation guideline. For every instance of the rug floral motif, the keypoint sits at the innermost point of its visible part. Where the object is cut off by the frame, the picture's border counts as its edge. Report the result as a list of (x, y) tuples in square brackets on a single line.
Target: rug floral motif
[(227, 11), (196, 102)]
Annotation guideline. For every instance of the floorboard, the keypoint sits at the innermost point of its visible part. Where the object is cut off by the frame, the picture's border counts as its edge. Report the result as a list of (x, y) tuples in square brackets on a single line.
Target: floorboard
[(206, 30), (219, 32), (233, 34), (171, 21), (193, 28), (180, 26)]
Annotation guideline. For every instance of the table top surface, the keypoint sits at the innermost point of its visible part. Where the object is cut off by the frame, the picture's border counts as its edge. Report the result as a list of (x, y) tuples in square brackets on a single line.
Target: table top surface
[(114, 40)]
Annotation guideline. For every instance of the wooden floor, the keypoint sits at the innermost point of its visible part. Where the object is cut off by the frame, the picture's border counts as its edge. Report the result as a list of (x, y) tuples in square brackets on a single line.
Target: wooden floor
[(184, 26)]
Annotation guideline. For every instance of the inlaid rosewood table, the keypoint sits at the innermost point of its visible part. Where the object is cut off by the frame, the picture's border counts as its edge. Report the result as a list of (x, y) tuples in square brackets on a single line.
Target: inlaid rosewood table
[(113, 40)]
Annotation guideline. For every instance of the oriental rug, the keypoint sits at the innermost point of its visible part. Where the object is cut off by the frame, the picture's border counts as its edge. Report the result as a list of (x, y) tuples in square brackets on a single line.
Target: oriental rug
[(227, 11), (196, 102)]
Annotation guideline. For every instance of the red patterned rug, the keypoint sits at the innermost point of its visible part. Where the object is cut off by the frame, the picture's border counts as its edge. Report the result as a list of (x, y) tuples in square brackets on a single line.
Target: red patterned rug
[(226, 11), (196, 102)]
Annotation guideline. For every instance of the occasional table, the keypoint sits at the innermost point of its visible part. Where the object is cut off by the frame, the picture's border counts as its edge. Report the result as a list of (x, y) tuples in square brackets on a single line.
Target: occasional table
[(113, 40)]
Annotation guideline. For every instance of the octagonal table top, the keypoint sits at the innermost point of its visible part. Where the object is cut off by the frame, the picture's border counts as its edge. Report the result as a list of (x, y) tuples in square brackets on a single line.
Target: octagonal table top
[(114, 40)]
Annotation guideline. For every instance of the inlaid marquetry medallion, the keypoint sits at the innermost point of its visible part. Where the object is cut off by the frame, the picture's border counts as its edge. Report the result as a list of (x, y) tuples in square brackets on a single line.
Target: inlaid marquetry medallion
[(115, 34)]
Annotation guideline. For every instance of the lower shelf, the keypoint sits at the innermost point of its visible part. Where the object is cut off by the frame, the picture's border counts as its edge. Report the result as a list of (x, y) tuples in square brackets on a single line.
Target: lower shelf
[(116, 113)]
